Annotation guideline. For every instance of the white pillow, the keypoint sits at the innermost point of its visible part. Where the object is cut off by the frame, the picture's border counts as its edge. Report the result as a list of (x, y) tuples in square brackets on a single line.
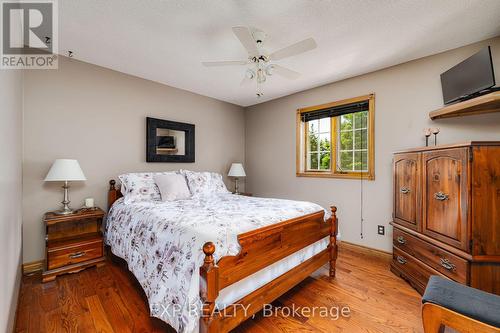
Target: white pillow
[(201, 183), (140, 186), (172, 187)]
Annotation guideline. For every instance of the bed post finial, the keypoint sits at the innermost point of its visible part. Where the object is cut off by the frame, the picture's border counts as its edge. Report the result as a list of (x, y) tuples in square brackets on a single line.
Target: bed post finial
[(333, 240), (113, 193), (209, 289), (209, 249)]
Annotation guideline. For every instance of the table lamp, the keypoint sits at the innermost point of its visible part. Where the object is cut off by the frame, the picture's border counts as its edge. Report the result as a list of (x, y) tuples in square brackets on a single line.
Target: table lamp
[(236, 171), (64, 170)]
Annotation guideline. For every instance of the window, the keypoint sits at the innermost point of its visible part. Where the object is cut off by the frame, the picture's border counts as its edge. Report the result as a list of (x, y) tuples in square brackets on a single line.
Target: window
[(319, 144), (337, 139)]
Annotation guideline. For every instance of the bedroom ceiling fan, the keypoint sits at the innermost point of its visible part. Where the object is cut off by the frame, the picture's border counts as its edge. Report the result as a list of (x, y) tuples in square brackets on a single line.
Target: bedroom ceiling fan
[(263, 61)]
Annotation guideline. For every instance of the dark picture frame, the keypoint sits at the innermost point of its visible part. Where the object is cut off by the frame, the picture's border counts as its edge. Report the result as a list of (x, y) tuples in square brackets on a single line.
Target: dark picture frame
[(152, 124)]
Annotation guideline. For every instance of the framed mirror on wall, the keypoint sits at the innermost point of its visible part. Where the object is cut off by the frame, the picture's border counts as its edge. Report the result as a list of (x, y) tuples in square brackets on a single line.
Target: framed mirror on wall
[(169, 141)]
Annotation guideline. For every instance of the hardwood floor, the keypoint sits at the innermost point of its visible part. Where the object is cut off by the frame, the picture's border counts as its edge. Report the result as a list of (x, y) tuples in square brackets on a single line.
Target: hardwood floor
[(109, 299)]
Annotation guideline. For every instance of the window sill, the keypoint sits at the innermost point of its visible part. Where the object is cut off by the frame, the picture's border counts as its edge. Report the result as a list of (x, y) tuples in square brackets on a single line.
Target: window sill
[(349, 175)]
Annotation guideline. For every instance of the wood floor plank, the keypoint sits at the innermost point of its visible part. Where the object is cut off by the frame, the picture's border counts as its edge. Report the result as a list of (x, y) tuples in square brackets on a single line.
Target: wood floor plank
[(70, 307), (119, 316), (109, 299), (98, 314), (136, 303)]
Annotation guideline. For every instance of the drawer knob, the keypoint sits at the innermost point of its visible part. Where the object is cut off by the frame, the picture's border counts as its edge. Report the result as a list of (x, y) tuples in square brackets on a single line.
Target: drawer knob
[(404, 190), (401, 260), (77, 255), (447, 264), (401, 240), (440, 196)]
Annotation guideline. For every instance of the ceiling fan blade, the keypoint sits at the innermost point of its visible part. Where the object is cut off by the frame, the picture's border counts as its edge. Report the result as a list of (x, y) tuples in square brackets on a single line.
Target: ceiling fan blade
[(245, 36), (224, 63), (285, 72), (294, 49)]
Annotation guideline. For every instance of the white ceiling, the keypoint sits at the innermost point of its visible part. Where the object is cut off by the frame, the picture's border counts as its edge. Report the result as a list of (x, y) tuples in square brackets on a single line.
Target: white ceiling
[(165, 41)]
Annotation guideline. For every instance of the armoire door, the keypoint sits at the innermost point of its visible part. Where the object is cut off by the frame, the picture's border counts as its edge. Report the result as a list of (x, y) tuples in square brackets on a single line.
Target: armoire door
[(445, 189), (407, 192)]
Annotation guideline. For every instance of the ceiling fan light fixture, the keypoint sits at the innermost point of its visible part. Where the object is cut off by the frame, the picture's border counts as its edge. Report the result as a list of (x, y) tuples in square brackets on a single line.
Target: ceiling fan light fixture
[(261, 76), (269, 70), (250, 74)]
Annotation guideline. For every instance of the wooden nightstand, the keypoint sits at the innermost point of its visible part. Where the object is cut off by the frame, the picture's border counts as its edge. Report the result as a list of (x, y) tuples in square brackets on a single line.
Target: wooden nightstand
[(72, 242)]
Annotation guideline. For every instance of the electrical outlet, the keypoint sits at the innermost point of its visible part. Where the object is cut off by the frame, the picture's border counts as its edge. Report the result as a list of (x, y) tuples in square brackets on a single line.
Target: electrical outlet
[(381, 230)]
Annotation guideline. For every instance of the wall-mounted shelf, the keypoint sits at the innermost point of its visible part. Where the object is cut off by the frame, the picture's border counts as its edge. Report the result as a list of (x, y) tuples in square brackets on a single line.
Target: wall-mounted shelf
[(482, 104)]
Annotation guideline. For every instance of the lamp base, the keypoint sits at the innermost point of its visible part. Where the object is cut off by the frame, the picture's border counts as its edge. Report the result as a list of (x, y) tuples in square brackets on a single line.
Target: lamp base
[(64, 212), (236, 189)]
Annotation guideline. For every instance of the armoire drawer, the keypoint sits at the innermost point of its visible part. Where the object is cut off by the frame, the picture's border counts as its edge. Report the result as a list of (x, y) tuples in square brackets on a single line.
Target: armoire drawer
[(454, 267), (413, 269)]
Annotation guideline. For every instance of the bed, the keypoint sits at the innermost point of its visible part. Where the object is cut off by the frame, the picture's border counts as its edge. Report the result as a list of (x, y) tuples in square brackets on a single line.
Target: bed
[(209, 264)]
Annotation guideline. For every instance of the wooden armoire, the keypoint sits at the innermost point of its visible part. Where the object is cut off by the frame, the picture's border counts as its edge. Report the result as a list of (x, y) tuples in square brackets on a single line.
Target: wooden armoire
[(446, 215)]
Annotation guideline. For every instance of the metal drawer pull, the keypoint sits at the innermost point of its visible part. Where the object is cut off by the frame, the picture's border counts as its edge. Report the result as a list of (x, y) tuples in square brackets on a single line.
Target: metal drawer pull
[(401, 240), (401, 260), (404, 190), (77, 255), (447, 264), (440, 196)]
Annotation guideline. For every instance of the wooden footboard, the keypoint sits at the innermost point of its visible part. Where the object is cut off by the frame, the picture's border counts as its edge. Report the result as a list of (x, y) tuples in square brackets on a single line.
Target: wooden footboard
[(259, 249)]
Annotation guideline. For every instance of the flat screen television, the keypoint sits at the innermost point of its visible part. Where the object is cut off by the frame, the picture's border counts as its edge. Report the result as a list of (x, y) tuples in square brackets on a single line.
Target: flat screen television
[(469, 77)]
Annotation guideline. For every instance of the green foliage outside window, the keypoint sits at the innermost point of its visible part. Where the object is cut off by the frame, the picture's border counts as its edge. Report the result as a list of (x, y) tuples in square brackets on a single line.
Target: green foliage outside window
[(319, 149), (352, 145)]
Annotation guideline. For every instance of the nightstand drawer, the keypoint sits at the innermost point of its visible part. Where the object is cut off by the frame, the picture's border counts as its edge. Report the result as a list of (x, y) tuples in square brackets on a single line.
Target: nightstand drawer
[(73, 253), (75, 228)]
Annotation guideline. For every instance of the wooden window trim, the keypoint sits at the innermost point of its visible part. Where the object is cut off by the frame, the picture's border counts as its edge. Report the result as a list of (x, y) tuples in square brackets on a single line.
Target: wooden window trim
[(301, 139)]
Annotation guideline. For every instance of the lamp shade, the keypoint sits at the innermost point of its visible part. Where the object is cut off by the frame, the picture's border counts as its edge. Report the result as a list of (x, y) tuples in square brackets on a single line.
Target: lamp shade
[(236, 170), (65, 170)]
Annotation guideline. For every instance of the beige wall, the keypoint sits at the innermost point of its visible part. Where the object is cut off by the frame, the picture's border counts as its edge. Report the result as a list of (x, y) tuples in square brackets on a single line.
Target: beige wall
[(11, 96), (404, 95), (98, 116)]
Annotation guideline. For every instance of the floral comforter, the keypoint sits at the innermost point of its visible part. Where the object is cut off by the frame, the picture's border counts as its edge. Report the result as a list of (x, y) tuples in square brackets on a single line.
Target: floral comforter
[(162, 243)]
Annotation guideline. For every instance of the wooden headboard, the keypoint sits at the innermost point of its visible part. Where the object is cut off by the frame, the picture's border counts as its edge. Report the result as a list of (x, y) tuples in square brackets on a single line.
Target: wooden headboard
[(113, 193)]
